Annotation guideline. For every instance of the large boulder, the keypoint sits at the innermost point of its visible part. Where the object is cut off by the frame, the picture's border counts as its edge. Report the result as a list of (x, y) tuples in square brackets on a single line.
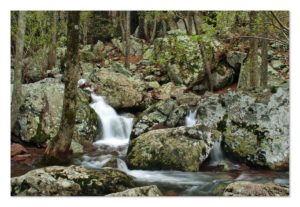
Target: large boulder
[(165, 113), (245, 188), (137, 46), (256, 128), (235, 58), (70, 181), (151, 190), (181, 148), (41, 109), (183, 52), (121, 91)]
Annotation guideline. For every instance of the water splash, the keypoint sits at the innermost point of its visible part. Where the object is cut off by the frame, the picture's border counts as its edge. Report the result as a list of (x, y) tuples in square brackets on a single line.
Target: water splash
[(190, 119), (116, 129)]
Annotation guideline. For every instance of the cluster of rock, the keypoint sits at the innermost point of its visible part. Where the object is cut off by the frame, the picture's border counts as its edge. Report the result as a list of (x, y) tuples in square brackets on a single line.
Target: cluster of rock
[(41, 109), (78, 181), (254, 128)]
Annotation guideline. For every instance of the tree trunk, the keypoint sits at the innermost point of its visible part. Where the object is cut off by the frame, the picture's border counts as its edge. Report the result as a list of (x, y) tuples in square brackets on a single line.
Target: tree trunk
[(206, 62), (58, 148), (253, 69), (249, 75), (127, 41), (190, 22), (17, 89), (153, 29), (52, 51), (207, 66), (264, 55)]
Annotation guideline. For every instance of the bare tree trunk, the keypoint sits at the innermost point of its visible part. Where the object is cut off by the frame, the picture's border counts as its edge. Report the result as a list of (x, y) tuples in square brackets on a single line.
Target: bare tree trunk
[(58, 148), (17, 90), (206, 62), (253, 72), (264, 55), (154, 29), (122, 24), (207, 66), (52, 51), (190, 22), (127, 37)]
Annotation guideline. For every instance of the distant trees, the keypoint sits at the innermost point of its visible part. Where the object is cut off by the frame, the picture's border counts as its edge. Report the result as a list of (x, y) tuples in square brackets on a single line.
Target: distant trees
[(58, 148), (17, 84)]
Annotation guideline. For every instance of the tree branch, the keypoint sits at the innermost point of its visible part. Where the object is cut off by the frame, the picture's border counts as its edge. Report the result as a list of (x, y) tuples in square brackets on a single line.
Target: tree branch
[(279, 22)]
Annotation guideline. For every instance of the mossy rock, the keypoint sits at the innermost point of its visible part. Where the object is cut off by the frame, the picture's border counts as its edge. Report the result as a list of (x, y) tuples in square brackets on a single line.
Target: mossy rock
[(70, 181), (182, 148)]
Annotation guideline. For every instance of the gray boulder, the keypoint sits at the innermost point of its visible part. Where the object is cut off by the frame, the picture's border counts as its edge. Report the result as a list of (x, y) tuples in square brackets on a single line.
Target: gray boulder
[(257, 128), (245, 188), (70, 181), (235, 58), (151, 190), (165, 113), (40, 113), (121, 91), (181, 148), (137, 46), (182, 51)]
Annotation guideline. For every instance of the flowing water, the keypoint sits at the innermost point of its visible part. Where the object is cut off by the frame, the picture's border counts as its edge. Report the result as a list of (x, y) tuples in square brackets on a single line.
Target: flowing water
[(190, 119), (116, 131), (216, 154)]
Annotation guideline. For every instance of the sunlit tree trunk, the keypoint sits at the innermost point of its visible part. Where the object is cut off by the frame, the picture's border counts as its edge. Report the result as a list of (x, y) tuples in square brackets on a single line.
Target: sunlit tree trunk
[(17, 89), (58, 148)]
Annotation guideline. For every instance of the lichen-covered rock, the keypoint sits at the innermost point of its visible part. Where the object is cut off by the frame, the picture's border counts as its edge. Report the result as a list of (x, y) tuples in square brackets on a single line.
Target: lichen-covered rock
[(41, 110), (151, 190), (86, 69), (210, 111), (121, 91), (183, 52), (137, 46), (181, 148), (257, 128), (155, 114), (235, 58), (190, 99), (245, 188), (86, 54), (70, 181)]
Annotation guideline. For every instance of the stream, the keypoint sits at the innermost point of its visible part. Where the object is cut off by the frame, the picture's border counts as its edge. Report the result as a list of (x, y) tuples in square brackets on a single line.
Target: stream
[(211, 180)]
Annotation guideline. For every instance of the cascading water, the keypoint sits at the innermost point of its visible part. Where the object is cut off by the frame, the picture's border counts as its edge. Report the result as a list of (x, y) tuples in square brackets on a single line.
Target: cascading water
[(190, 119), (116, 129), (216, 154)]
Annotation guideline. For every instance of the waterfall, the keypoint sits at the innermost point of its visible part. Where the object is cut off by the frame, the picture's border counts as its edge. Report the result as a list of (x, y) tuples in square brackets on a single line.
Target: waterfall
[(216, 154), (116, 129), (190, 119)]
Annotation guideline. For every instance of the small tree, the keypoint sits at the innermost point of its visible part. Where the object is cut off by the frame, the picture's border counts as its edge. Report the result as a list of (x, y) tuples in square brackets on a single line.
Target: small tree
[(17, 90), (59, 146)]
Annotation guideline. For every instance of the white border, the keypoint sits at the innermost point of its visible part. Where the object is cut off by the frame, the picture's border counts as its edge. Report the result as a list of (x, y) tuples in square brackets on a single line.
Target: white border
[(147, 5)]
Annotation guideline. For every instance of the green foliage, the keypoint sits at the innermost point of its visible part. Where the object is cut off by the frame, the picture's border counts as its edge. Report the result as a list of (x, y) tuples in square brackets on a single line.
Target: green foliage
[(178, 48)]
